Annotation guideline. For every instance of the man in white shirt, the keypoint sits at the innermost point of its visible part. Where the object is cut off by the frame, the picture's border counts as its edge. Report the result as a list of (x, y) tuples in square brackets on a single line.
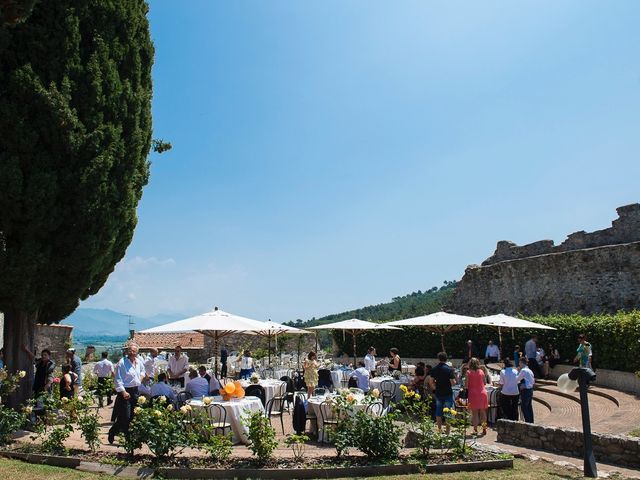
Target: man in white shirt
[(178, 366), (526, 389), (161, 388), (129, 375), (361, 374), (151, 363), (509, 392), (197, 386), (492, 353), (370, 361), (104, 371)]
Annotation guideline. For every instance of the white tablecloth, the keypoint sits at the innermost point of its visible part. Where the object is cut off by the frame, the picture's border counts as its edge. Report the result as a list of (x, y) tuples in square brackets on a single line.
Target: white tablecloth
[(235, 410), (337, 376), (270, 388), (377, 383), (313, 406)]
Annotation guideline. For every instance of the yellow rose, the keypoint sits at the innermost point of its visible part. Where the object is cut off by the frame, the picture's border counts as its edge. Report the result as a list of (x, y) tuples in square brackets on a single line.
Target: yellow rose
[(157, 413), (162, 399), (64, 400), (183, 409), (375, 393), (142, 400), (206, 400), (80, 398), (170, 407), (417, 395), (137, 410), (22, 374), (28, 410), (403, 388), (454, 413), (350, 398), (445, 410)]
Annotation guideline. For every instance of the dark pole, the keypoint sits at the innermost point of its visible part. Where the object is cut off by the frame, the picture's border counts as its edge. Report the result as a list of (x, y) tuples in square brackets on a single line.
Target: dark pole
[(584, 378)]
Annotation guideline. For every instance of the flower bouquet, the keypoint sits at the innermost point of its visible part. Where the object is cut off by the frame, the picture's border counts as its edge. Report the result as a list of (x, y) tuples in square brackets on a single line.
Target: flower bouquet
[(396, 374), (255, 378)]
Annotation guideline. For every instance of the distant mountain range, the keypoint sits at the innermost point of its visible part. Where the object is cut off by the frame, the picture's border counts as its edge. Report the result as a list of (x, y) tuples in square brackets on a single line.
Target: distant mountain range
[(105, 322)]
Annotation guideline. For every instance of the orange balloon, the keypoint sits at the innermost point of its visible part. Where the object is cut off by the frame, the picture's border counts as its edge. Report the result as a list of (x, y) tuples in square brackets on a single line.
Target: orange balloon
[(229, 388), (237, 384), (226, 397), (240, 392)]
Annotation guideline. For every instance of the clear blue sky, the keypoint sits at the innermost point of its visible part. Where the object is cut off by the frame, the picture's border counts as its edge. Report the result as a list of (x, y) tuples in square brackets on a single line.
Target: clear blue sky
[(329, 155)]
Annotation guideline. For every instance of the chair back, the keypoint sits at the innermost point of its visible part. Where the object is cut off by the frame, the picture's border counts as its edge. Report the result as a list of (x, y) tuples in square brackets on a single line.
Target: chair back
[(255, 391), (375, 409), (298, 380), (216, 414), (275, 406), (327, 413), (387, 391), (182, 398), (319, 391), (353, 382), (324, 378), (268, 373)]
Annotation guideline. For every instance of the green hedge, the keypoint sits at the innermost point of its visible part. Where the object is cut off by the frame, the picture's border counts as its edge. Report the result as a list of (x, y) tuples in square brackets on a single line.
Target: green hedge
[(615, 339)]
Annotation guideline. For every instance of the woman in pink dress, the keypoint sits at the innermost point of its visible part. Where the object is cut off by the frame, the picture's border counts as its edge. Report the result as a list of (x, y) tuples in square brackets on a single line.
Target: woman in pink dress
[(478, 400)]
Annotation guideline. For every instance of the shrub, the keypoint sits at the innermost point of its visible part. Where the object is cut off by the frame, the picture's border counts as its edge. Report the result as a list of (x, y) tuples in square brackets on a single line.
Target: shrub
[(10, 422), (297, 445), (89, 424), (219, 447), (53, 442), (262, 436), (377, 437)]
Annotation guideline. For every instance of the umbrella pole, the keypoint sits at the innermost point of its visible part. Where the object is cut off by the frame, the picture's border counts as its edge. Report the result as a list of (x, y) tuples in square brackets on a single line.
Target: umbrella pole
[(269, 348), (354, 349), (215, 354), (442, 341), (500, 339), (299, 346)]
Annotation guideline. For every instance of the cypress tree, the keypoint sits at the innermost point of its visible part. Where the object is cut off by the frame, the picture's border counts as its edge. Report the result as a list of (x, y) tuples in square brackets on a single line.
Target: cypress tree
[(75, 133)]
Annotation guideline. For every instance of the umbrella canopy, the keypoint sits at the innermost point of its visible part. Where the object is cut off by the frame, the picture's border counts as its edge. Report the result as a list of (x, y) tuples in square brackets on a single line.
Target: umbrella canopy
[(439, 322), (216, 324), (272, 330), (354, 326), (505, 321)]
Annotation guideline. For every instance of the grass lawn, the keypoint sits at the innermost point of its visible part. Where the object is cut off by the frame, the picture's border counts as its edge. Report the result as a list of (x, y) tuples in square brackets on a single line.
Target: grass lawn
[(523, 470), (635, 433)]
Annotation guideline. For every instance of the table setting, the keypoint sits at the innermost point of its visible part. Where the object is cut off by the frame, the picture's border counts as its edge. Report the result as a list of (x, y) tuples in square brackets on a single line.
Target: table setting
[(236, 408)]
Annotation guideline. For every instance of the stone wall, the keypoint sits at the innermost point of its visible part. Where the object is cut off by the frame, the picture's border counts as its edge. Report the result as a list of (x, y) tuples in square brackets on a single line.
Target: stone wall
[(577, 276), (56, 338), (614, 449)]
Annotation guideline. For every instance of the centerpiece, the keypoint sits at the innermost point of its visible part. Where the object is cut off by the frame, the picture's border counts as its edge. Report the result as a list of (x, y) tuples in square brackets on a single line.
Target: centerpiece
[(255, 378)]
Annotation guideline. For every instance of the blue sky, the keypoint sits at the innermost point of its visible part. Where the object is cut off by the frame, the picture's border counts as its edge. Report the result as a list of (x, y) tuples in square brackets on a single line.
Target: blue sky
[(329, 155)]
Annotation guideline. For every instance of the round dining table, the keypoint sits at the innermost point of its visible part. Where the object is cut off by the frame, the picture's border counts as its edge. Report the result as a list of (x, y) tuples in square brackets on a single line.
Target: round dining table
[(314, 405), (376, 382), (236, 409), (271, 387)]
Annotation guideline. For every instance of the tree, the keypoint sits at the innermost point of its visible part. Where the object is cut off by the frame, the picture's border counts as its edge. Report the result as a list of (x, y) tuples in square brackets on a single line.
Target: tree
[(75, 133), (15, 11)]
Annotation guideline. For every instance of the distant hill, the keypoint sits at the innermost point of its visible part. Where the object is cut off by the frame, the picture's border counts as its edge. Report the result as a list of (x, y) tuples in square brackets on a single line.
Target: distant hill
[(411, 305), (105, 322)]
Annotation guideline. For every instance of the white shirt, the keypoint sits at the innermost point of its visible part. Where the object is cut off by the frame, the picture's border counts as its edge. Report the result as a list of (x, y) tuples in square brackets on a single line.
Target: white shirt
[(246, 363), (129, 374), (492, 351), (527, 375), (161, 388), (509, 381), (104, 368), (214, 384), (370, 362), (197, 387), (362, 375), (176, 365), (151, 366)]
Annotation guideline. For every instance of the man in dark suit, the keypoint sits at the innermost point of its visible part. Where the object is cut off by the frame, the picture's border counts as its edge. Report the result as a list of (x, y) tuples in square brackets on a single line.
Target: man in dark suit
[(470, 352)]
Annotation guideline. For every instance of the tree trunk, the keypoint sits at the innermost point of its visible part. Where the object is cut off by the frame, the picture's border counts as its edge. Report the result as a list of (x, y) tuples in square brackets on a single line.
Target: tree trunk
[(19, 332)]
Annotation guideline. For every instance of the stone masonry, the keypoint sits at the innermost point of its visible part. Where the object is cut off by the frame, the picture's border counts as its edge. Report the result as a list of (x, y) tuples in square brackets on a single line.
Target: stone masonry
[(613, 449), (587, 273)]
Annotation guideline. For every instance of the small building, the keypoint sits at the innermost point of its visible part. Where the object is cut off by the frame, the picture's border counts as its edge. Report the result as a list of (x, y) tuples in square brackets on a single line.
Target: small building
[(192, 343)]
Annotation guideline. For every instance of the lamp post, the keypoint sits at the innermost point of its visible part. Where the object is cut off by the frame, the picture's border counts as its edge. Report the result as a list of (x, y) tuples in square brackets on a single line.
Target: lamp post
[(584, 376)]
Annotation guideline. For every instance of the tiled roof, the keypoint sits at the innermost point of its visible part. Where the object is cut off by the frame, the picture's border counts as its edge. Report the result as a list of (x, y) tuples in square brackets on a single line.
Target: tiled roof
[(187, 341)]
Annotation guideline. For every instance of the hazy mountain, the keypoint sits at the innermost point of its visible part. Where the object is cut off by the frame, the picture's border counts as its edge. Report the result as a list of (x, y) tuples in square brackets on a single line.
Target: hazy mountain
[(94, 321)]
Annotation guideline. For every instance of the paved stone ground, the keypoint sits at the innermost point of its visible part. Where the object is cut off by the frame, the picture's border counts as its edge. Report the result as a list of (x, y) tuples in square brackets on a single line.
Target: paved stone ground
[(606, 417)]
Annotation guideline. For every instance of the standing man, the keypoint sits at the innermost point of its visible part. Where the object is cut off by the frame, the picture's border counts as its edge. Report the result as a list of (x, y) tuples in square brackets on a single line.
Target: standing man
[(492, 353), (531, 352), (151, 364), (104, 371), (526, 388), (224, 356), (584, 352), (370, 361), (129, 375), (76, 367), (441, 378), (43, 381), (178, 366)]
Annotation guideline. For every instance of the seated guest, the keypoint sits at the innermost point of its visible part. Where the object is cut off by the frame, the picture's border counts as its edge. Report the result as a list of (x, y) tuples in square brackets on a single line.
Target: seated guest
[(202, 370), (161, 388), (417, 384), (66, 382), (214, 386), (197, 386), (144, 389), (551, 359), (487, 375), (361, 374)]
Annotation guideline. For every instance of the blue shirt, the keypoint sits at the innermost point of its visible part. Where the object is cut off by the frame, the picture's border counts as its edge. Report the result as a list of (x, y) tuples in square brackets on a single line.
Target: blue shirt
[(129, 374), (509, 381), (527, 375), (530, 349), (362, 375)]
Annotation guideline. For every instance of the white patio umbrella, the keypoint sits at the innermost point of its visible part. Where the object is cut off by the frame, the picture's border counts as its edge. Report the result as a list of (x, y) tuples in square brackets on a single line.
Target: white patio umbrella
[(216, 324), (439, 322), (273, 329), (354, 327), (501, 321)]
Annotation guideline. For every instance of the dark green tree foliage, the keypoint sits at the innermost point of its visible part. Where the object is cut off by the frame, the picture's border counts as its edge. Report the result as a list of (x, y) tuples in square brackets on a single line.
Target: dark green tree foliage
[(15, 11), (75, 132)]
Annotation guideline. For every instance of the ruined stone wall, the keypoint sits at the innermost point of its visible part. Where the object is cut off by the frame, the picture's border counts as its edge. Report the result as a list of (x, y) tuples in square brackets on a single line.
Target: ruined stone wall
[(542, 279), (56, 338)]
